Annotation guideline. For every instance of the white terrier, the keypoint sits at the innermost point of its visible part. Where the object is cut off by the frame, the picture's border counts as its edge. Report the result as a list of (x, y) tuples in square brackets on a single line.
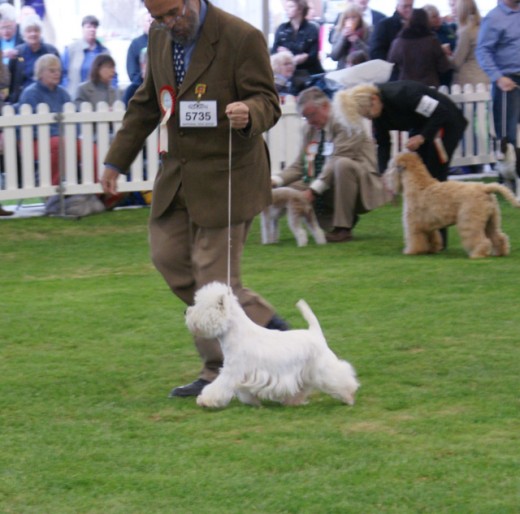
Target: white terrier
[(262, 364), (507, 165), (299, 212)]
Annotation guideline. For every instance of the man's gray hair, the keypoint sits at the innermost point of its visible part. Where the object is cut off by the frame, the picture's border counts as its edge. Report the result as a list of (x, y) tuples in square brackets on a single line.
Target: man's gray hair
[(7, 12), (312, 95), (33, 20)]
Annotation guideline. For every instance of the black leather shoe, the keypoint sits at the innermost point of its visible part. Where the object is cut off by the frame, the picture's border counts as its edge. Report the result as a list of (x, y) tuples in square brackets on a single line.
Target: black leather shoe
[(277, 323), (339, 235), (193, 389)]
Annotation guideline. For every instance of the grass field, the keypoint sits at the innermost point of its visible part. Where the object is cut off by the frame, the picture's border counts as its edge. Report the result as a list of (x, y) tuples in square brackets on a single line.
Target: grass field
[(92, 342)]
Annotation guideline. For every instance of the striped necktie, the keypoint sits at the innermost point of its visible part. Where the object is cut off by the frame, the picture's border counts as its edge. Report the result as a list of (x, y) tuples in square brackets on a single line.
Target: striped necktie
[(320, 158)]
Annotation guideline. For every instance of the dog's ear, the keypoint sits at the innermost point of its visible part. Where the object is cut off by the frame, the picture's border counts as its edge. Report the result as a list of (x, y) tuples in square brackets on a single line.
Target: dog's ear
[(221, 303), (224, 302)]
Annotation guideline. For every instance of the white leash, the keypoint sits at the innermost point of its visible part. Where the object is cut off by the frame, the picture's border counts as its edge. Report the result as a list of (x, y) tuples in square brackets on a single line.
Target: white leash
[(230, 150)]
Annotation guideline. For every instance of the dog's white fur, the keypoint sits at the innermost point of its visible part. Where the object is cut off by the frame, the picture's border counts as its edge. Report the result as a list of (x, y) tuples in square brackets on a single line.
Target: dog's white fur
[(262, 364), (429, 205), (506, 166), (299, 213)]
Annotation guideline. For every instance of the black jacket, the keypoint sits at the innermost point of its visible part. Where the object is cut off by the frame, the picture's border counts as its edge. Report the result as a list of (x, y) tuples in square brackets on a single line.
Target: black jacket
[(383, 35), (405, 109), (304, 41)]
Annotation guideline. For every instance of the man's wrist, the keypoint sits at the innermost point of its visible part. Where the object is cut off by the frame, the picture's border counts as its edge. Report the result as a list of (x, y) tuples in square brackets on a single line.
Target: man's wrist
[(112, 167)]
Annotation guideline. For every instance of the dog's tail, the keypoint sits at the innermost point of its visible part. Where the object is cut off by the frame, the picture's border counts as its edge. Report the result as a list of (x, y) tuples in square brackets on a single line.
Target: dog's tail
[(310, 317), (504, 191)]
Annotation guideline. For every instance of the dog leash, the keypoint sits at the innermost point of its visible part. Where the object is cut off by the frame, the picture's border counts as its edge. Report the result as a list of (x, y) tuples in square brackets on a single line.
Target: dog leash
[(230, 150)]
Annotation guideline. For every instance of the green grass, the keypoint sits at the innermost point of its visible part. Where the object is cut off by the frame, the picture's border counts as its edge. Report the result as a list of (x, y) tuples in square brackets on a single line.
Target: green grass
[(92, 341)]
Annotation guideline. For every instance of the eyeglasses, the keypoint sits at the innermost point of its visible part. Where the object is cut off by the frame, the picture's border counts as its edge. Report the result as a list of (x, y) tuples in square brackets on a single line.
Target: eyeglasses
[(171, 18), (310, 114)]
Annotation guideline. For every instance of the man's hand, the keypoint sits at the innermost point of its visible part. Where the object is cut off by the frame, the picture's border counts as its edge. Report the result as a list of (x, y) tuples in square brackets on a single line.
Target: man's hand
[(238, 115), (309, 195), (109, 181), (506, 84)]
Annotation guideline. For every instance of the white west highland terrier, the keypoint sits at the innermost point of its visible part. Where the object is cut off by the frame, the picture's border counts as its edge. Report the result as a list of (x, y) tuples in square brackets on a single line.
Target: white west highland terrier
[(262, 364)]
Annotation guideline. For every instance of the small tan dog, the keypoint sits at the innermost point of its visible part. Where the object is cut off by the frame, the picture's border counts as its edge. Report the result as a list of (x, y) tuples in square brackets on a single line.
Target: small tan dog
[(429, 205), (299, 212)]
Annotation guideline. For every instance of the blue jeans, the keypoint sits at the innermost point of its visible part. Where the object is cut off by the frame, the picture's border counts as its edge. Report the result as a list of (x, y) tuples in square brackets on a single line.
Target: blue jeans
[(512, 110)]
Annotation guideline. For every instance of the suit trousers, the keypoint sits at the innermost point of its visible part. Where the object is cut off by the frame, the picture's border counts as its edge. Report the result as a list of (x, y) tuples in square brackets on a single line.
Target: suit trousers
[(189, 256), (343, 200), (345, 192)]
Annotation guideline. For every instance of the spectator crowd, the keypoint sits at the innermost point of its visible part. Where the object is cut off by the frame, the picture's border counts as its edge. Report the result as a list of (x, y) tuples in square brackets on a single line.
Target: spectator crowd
[(424, 48), (426, 51)]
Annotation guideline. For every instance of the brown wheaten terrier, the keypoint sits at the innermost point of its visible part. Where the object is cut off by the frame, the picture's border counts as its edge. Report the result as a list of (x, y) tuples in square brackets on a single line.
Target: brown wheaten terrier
[(429, 205)]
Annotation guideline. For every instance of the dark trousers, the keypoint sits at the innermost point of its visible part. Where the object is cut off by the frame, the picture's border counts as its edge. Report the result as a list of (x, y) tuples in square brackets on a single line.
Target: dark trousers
[(451, 136), (512, 111)]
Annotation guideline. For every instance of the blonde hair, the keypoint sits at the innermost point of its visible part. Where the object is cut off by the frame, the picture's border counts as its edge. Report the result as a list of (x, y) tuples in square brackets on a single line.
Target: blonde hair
[(352, 105), (467, 12), (44, 62)]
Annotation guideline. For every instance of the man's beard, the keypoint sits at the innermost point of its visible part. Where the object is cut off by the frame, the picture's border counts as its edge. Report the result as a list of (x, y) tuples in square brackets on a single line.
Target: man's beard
[(186, 29)]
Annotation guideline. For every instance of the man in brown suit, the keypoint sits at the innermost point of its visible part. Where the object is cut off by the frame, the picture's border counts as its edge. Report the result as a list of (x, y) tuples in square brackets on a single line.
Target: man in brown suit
[(337, 168), (221, 78)]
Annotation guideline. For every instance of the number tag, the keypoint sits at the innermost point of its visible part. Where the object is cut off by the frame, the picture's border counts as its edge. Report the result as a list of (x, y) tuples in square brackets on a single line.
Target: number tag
[(328, 148), (426, 106), (198, 114)]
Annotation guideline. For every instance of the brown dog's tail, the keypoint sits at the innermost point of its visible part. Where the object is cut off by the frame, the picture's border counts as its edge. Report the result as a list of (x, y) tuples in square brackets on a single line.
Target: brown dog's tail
[(504, 191)]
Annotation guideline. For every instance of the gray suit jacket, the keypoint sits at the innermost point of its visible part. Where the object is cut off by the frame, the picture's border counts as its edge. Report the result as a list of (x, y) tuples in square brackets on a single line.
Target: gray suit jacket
[(231, 59), (362, 154)]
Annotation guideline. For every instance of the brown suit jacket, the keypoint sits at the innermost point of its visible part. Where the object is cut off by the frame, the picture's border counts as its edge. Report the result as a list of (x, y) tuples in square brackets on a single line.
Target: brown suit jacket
[(231, 58), (359, 148)]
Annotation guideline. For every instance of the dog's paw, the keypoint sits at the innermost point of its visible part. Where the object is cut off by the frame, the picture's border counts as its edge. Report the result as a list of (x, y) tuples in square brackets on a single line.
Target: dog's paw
[(248, 398), (320, 239), (298, 399), (211, 400), (201, 402), (209, 403)]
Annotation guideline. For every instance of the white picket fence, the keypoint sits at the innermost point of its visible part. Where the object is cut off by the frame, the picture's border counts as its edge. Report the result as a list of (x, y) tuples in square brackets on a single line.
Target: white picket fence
[(22, 177)]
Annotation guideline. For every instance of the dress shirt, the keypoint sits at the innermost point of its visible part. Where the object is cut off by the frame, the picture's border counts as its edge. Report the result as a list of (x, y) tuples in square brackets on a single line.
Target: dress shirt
[(188, 49), (498, 46)]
